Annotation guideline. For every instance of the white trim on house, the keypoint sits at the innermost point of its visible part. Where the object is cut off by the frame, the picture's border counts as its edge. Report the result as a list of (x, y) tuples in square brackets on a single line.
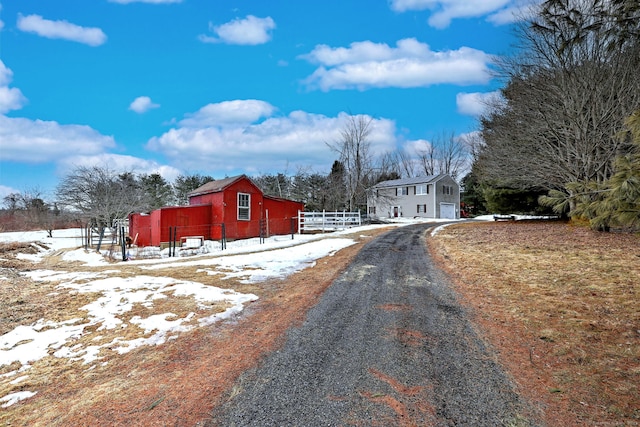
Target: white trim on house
[(385, 197)]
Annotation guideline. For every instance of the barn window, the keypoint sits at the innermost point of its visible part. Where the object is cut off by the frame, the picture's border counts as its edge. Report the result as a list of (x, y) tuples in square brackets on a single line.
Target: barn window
[(244, 206)]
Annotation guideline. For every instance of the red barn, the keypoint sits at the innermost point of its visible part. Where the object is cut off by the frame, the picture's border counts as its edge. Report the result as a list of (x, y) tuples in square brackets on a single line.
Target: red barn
[(234, 206)]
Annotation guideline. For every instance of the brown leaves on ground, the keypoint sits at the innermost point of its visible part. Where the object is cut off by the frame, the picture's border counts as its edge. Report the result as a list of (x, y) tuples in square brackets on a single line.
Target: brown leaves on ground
[(561, 305), (180, 382)]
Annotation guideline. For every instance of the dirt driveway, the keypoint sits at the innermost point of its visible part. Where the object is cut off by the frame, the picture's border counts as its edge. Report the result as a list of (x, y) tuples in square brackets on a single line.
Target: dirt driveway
[(387, 344)]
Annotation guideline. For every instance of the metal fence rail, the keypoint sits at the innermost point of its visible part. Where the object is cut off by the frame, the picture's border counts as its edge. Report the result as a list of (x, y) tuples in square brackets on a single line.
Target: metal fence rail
[(327, 221)]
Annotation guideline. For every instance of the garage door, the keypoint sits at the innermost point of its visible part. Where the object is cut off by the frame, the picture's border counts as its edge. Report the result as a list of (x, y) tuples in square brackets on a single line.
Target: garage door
[(447, 210)]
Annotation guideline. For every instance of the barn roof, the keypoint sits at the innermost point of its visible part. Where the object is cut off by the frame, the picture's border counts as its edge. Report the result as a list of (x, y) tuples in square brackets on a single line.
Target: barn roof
[(408, 181), (216, 185)]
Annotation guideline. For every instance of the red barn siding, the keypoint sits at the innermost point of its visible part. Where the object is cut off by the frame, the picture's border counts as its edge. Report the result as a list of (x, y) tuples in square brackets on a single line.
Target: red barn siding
[(217, 204), (281, 214), (140, 228)]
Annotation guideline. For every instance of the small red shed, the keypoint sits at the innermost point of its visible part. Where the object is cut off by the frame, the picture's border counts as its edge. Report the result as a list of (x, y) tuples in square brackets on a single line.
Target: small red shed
[(234, 206)]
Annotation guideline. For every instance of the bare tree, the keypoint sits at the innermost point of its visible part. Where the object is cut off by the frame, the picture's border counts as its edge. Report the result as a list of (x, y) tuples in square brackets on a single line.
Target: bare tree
[(99, 195), (445, 154), (395, 165), (428, 159), (566, 98), (355, 155), (30, 211)]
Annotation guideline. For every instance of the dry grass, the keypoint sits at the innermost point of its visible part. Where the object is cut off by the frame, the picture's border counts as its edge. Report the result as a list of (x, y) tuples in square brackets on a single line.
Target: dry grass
[(177, 383), (561, 304)]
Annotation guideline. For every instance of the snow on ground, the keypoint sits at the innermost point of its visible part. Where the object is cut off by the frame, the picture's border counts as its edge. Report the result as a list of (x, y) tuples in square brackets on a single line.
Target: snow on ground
[(250, 260)]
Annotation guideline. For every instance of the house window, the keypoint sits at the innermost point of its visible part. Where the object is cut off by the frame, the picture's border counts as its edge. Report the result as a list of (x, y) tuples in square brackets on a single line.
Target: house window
[(421, 189), (244, 206), (422, 208), (402, 191), (447, 189)]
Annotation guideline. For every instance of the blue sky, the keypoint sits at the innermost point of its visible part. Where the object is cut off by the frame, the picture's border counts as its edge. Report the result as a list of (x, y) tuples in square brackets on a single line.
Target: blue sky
[(238, 86)]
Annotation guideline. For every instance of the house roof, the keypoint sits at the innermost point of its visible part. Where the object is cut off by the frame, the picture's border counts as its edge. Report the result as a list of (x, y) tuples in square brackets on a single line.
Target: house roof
[(408, 181), (215, 186)]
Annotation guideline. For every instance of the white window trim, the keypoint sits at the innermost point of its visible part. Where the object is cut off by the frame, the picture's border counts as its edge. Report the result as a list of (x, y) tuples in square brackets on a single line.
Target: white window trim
[(248, 208), (422, 186)]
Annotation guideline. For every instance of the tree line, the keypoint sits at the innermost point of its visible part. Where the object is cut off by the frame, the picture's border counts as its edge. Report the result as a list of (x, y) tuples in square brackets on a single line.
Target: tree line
[(565, 134), (97, 195)]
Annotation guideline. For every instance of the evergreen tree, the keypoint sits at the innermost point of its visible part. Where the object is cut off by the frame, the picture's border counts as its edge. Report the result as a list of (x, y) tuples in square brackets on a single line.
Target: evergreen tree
[(158, 191), (620, 206), (184, 184)]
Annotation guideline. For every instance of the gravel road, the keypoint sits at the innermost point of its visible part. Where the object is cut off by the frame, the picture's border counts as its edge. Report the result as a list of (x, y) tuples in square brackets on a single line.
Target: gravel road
[(387, 345)]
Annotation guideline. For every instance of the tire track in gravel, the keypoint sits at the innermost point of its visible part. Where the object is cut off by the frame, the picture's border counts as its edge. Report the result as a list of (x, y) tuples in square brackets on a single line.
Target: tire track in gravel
[(387, 344)]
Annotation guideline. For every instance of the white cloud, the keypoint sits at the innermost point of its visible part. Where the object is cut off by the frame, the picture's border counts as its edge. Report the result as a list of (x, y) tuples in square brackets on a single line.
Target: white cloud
[(248, 31), (146, 1), (366, 64), (236, 112), (5, 191), (476, 103), (10, 98), (217, 141), (61, 30), (119, 162), (38, 141), (417, 145), (444, 11), (521, 9), (142, 104)]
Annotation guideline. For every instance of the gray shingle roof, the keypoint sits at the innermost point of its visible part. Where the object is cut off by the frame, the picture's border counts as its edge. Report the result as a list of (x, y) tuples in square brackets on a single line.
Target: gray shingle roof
[(215, 186), (408, 181)]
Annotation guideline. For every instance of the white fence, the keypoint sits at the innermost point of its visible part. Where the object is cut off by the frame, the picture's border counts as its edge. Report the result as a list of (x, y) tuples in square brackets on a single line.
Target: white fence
[(327, 221)]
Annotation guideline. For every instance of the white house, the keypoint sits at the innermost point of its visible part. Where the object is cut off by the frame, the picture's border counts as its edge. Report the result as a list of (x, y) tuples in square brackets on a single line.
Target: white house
[(436, 196)]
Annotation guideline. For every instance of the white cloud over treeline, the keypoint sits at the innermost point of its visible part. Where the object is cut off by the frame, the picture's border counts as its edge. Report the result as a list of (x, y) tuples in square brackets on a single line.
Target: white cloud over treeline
[(243, 135), (499, 12), (477, 103), (248, 135)]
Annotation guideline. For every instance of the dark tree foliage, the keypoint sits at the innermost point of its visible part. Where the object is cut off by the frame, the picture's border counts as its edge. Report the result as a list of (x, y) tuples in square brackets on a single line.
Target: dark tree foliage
[(472, 198), (277, 185), (514, 201), (616, 201), (565, 101), (336, 192), (184, 184), (158, 191)]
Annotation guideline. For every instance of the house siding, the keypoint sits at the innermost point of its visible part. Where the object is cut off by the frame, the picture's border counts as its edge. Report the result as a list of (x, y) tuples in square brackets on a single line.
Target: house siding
[(452, 197), (387, 198)]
